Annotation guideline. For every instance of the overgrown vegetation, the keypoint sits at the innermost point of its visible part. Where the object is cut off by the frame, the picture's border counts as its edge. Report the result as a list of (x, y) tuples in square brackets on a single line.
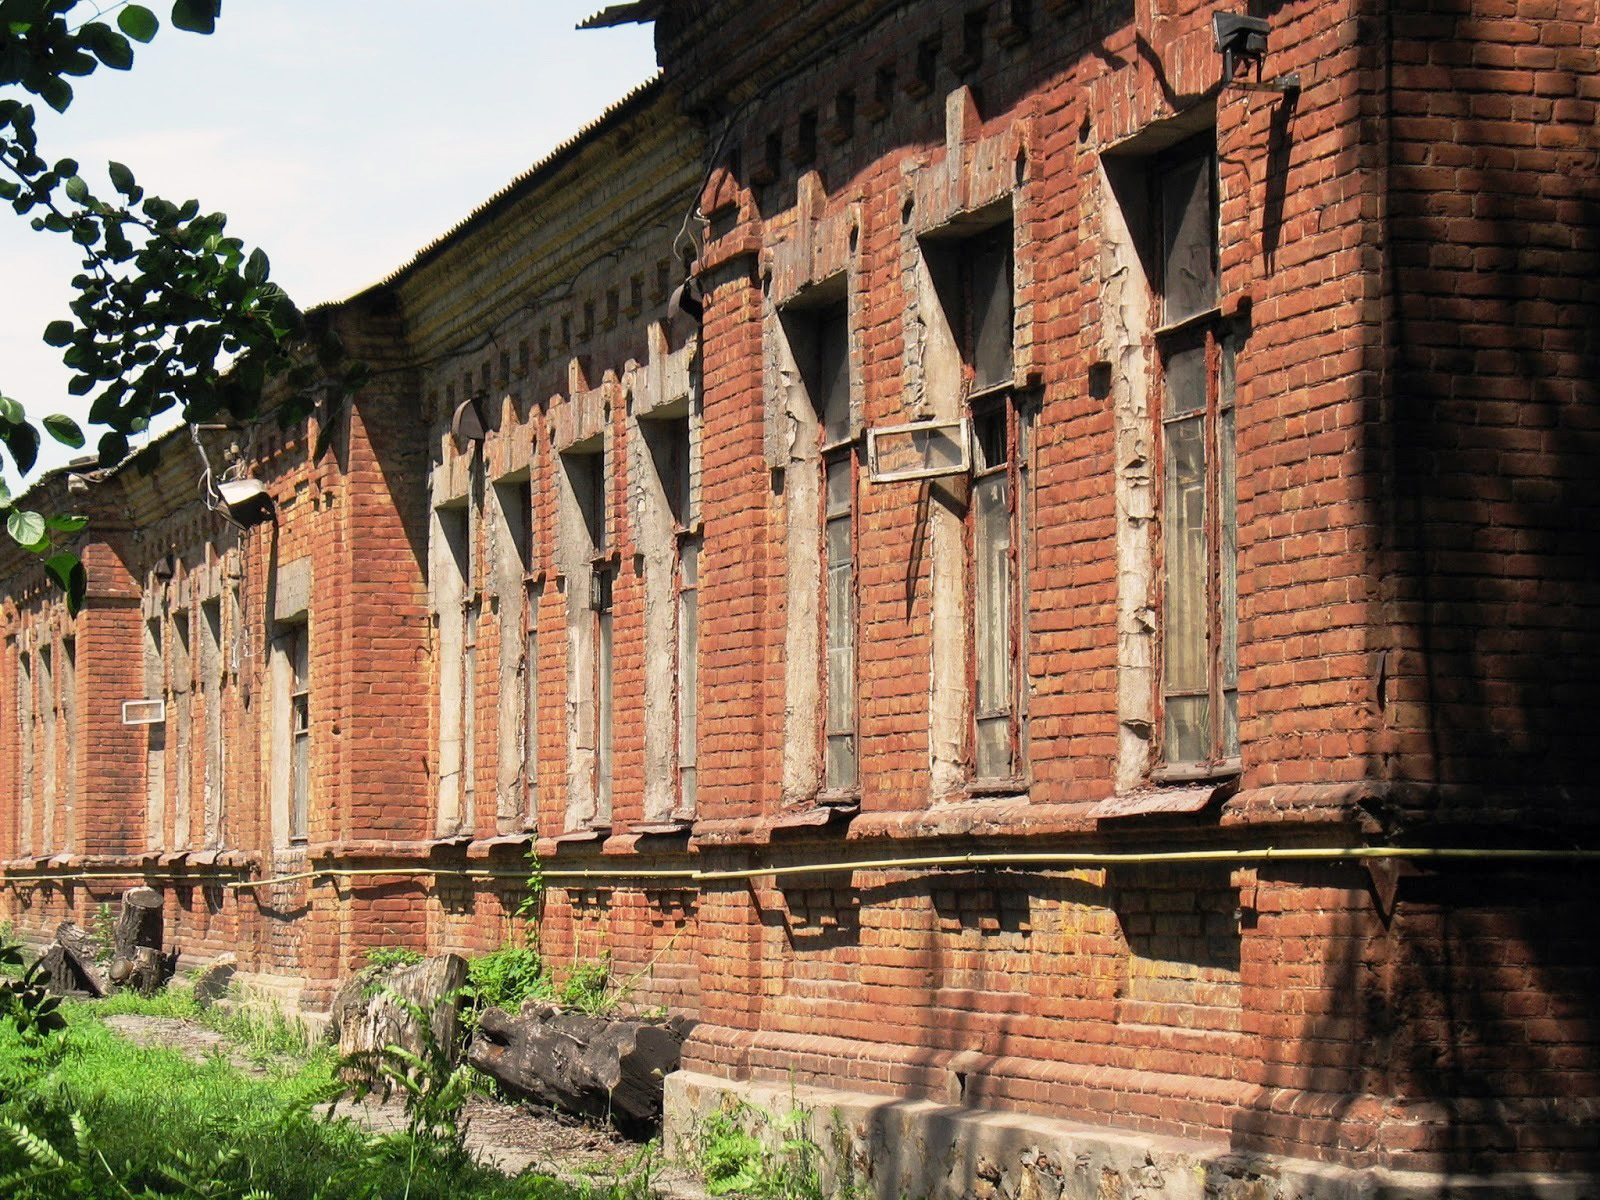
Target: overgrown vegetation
[(734, 1160), (385, 957), (84, 1113)]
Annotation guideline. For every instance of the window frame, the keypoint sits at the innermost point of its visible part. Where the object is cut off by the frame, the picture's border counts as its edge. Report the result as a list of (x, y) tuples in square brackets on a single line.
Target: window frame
[(986, 341), (1195, 323)]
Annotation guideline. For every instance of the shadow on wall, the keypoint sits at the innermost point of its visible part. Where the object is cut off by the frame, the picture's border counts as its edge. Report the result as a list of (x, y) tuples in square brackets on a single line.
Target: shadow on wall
[(1490, 437), (1454, 1031), (1490, 430)]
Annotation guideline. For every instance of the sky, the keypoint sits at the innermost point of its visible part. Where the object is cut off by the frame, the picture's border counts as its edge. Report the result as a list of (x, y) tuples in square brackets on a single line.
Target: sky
[(340, 136)]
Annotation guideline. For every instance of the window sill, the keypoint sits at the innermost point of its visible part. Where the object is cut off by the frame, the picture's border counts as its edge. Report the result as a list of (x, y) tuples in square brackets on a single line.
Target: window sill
[(1217, 772), (1010, 788)]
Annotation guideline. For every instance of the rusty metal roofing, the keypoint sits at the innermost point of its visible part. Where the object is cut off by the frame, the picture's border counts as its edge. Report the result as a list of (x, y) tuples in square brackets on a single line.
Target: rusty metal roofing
[(628, 106)]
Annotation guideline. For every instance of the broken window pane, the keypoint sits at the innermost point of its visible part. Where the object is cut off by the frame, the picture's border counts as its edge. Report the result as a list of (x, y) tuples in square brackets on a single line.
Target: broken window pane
[(1189, 235), (989, 281), (832, 394)]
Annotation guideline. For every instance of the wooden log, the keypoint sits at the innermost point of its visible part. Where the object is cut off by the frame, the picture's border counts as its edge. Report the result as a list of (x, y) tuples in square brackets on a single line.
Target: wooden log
[(80, 950), (373, 1009), (608, 1069)]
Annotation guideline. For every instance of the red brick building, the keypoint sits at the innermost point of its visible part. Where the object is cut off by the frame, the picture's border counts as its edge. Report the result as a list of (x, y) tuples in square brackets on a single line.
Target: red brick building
[(1004, 648)]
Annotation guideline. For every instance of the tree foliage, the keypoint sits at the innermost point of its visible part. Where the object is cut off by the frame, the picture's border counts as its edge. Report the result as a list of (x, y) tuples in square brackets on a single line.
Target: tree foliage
[(169, 311)]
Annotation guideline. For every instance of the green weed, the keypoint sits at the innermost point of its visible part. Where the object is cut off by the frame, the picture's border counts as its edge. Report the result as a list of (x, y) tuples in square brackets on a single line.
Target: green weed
[(587, 987), (384, 957), (504, 978), (735, 1160)]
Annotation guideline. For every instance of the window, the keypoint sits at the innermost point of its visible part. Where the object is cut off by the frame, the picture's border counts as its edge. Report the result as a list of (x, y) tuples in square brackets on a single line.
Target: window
[(211, 675), (828, 381), (519, 654), (297, 653), (181, 705), (456, 606), (155, 751), (1196, 351), (973, 277), (585, 469), (47, 746), (69, 722), (25, 709)]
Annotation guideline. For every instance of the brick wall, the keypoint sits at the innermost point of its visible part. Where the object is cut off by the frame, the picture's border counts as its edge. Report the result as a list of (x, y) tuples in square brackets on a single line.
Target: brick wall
[(1405, 265)]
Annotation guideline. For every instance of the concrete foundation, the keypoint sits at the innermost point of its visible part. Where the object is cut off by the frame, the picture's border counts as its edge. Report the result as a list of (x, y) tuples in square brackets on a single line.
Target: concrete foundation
[(897, 1149)]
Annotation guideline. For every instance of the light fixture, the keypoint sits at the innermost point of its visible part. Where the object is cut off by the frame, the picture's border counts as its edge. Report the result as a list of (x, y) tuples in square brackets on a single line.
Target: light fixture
[(467, 423), (1242, 41), (245, 502), (687, 300)]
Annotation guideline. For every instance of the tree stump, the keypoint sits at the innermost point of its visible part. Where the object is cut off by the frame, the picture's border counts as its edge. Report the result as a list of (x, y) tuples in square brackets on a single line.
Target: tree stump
[(139, 922), (374, 1009), (605, 1068)]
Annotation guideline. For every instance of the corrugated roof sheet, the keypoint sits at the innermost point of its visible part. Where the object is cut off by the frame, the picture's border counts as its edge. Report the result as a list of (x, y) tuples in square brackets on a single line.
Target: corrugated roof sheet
[(636, 13)]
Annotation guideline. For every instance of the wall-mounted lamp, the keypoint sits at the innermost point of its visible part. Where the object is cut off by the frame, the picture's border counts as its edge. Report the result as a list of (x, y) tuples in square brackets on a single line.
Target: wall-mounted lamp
[(686, 300), (1242, 41), (467, 423), (245, 502)]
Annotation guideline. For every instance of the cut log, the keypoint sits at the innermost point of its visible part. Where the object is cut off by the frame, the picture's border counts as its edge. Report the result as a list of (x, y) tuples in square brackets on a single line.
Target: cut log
[(373, 1009), (138, 923), (80, 949), (600, 1067)]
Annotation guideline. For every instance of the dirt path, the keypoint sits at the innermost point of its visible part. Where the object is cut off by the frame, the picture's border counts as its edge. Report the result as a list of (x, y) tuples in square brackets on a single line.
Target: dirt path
[(508, 1137)]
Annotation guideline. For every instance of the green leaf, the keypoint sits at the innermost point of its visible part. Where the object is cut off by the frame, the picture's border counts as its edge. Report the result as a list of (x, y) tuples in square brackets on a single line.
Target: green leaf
[(27, 529), (122, 180), (56, 92), (65, 522), (113, 448), (58, 333), (77, 190), (196, 16), (138, 22), (10, 411), (109, 46), (23, 442), (68, 574), (256, 267), (64, 429)]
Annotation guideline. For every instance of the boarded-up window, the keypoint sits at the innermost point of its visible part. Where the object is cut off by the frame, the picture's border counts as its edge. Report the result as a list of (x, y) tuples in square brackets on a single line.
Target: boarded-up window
[(1199, 675)]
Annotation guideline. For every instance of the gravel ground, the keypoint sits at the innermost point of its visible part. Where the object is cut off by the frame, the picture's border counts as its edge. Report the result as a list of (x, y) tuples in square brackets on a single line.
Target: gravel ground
[(506, 1136)]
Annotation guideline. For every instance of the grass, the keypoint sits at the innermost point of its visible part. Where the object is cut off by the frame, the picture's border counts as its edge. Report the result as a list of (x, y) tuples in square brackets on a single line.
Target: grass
[(85, 1113)]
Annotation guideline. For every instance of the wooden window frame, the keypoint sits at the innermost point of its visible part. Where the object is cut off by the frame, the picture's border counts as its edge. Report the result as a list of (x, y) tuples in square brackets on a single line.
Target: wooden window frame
[(1191, 427)]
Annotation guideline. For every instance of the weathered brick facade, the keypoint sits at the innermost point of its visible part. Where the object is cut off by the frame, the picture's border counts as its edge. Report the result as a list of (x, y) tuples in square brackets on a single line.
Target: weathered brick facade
[(1276, 419)]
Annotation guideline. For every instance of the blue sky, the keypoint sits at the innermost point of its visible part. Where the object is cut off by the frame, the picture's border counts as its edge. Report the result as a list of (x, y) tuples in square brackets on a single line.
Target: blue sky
[(340, 136)]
